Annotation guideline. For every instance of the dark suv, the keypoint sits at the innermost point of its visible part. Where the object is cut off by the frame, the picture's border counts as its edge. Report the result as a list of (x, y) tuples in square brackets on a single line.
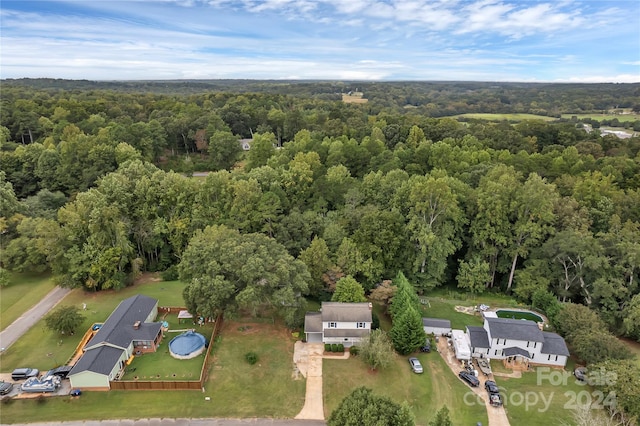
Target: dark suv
[(469, 378), (24, 373), (426, 347), (61, 372)]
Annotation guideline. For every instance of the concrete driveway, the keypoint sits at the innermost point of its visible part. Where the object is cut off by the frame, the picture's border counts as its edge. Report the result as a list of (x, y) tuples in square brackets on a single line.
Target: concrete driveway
[(497, 415), (308, 359)]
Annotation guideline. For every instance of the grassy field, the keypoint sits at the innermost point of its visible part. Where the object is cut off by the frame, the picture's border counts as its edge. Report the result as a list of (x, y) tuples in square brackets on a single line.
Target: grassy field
[(235, 388), (621, 117), (502, 117), (43, 349), (426, 393), (23, 291), (543, 397), (354, 99)]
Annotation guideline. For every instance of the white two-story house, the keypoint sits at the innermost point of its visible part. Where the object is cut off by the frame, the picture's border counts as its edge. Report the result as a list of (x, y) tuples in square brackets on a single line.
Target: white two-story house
[(511, 339), (337, 322)]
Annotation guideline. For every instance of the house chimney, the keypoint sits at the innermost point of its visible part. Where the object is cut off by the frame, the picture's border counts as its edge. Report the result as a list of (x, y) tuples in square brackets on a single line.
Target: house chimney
[(136, 325)]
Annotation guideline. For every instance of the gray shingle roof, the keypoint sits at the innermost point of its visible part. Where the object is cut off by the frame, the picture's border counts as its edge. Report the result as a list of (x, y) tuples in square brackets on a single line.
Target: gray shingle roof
[(313, 322), (118, 329), (506, 328), (99, 360), (478, 337), (346, 312), (436, 322), (512, 351), (554, 344)]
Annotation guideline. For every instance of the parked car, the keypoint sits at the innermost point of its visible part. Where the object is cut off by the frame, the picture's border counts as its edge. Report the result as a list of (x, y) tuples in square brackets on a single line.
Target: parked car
[(61, 372), (415, 365), (469, 378), (427, 346), (24, 373), (491, 386), (581, 373), (494, 393), (495, 399), (5, 387)]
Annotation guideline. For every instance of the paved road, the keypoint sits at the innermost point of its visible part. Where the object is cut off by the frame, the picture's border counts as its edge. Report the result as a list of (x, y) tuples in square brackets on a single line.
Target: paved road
[(185, 422), (20, 326)]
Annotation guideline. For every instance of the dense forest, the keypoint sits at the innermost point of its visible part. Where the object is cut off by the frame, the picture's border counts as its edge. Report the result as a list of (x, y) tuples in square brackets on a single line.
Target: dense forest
[(96, 187)]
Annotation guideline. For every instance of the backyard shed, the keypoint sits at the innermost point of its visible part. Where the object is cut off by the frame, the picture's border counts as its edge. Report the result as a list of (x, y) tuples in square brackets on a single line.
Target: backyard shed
[(436, 326)]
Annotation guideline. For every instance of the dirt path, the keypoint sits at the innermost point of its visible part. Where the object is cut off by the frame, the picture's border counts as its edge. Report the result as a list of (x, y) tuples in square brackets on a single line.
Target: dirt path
[(20, 326), (497, 415)]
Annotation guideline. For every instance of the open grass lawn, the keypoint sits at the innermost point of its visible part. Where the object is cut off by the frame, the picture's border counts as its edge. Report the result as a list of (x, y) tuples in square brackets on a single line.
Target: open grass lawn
[(443, 308), (426, 393), (265, 389), (235, 388), (23, 291), (41, 348), (160, 365), (543, 397)]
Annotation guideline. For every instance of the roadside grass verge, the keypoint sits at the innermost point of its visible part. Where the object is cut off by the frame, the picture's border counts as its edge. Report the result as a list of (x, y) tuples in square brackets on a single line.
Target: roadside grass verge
[(43, 349), (23, 291), (426, 393), (234, 388)]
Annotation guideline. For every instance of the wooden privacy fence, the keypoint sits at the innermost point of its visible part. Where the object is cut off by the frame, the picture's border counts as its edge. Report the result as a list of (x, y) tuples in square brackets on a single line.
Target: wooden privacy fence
[(173, 384)]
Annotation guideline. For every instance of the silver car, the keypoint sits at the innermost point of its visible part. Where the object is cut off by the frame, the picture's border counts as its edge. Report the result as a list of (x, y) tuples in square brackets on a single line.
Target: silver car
[(415, 365)]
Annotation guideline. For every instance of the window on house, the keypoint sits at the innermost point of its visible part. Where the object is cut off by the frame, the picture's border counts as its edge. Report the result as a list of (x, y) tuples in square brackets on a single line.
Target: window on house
[(496, 353), (361, 325), (333, 325), (548, 357), (527, 344), (556, 357)]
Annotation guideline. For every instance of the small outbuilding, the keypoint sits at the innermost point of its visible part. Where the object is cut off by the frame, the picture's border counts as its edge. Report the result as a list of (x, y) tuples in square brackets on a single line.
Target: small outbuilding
[(436, 326)]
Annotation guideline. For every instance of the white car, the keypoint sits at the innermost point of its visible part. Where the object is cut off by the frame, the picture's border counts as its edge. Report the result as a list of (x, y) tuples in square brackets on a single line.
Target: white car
[(415, 365)]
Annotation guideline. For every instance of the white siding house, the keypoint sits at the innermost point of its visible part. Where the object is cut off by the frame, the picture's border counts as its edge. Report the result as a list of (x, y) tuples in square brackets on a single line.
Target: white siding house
[(345, 323), (436, 326), (511, 339)]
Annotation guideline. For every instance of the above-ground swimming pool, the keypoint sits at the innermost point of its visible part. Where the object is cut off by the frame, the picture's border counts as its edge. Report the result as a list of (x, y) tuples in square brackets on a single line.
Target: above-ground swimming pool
[(187, 345), (505, 313)]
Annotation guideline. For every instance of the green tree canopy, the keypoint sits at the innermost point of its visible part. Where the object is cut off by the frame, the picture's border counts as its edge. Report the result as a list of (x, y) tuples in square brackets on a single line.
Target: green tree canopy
[(64, 320), (348, 290), (376, 350), (364, 408), (227, 270)]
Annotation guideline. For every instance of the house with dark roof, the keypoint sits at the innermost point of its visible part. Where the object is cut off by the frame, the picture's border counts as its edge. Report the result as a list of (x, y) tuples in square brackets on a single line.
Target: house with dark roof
[(517, 341), (345, 323), (436, 326), (130, 330)]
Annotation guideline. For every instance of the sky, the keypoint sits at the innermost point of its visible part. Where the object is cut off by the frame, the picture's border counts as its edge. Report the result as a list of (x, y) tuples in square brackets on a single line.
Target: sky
[(450, 40)]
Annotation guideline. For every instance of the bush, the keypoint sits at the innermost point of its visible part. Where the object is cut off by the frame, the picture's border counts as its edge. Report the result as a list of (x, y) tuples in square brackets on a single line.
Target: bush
[(354, 350), (327, 347), (340, 347), (171, 274), (251, 357), (334, 347)]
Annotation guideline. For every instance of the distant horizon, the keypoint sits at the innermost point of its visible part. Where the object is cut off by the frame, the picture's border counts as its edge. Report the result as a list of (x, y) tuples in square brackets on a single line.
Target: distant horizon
[(520, 41), (318, 80)]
